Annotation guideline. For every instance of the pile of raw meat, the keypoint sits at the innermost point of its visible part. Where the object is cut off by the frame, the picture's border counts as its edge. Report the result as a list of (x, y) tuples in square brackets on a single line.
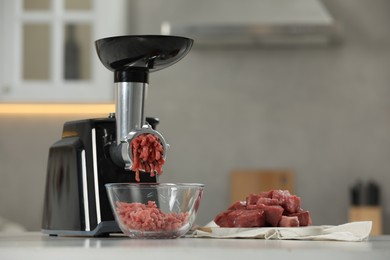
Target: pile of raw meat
[(276, 208), (138, 216), (147, 155)]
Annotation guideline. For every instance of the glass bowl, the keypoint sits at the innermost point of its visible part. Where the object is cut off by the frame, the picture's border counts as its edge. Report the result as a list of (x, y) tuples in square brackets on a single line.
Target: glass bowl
[(155, 210)]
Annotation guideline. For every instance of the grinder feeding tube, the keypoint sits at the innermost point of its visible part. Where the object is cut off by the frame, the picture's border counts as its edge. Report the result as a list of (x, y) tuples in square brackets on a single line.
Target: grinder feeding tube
[(136, 142), (138, 147)]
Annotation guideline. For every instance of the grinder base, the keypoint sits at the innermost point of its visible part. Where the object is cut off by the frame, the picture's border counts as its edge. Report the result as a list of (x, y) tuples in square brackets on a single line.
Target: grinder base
[(79, 166)]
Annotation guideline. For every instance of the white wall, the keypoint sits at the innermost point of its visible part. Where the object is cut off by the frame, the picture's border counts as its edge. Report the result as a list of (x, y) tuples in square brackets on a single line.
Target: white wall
[(323, 112)]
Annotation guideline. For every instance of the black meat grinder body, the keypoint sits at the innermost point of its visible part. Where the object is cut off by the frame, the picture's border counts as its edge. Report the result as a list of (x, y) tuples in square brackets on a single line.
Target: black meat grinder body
[(79, 166), (94, 152)]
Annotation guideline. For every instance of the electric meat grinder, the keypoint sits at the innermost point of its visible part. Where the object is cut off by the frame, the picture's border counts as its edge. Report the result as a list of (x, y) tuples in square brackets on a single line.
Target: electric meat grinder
[(93, 152)]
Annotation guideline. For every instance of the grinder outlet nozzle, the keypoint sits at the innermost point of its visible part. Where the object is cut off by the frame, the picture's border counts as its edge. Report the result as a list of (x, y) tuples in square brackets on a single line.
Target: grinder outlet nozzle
[(144, 151)]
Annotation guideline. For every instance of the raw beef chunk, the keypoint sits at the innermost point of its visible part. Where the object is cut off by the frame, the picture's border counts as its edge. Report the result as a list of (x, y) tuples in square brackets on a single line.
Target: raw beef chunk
[(289, 202), (251, 199), (273, 214), (241, 218), (237, 205), (267, 201), (246, 218), (292, 204), (271, 208), (303, 217), (222, 220), (289, 221)]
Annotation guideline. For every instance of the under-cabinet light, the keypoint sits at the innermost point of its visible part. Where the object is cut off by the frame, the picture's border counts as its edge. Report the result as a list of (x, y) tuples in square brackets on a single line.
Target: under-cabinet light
[(56, 109)]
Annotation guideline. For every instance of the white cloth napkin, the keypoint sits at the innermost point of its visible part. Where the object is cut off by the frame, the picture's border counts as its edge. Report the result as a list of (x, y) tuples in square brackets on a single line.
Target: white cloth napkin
[(353, 231)]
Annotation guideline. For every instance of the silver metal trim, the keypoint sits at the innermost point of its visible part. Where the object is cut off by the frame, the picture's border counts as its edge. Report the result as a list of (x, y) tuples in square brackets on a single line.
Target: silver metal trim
[(95, 176), (129, 108), (85, 190), (258, 34)]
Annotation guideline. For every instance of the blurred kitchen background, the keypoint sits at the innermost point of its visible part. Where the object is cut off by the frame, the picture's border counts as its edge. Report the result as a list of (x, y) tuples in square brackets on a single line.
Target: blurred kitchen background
[(318, 106)]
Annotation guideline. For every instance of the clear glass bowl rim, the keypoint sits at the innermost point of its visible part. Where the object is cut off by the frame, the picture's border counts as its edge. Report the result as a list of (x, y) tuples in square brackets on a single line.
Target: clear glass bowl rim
[(154, 185)]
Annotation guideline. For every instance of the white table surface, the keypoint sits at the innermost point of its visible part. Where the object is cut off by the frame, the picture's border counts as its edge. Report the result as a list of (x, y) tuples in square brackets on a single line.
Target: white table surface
[(39, 246)]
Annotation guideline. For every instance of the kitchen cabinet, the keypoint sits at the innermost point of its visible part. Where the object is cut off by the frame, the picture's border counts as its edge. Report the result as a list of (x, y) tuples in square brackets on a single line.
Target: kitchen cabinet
[(48, 53)]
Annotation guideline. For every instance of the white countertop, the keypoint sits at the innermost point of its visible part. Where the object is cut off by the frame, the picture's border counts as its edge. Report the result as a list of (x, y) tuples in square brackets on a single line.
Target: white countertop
[(38, 246)]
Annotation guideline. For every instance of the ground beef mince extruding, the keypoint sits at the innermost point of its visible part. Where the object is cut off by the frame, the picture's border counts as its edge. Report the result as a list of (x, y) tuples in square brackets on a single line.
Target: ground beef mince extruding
[(147, 155)]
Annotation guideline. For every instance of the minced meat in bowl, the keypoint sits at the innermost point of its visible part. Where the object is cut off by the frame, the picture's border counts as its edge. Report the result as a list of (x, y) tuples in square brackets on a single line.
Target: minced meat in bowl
[(155, 210)]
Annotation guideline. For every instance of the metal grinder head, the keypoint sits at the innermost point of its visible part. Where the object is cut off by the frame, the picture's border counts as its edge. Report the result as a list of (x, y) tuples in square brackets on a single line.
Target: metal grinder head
[(132, 58)]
